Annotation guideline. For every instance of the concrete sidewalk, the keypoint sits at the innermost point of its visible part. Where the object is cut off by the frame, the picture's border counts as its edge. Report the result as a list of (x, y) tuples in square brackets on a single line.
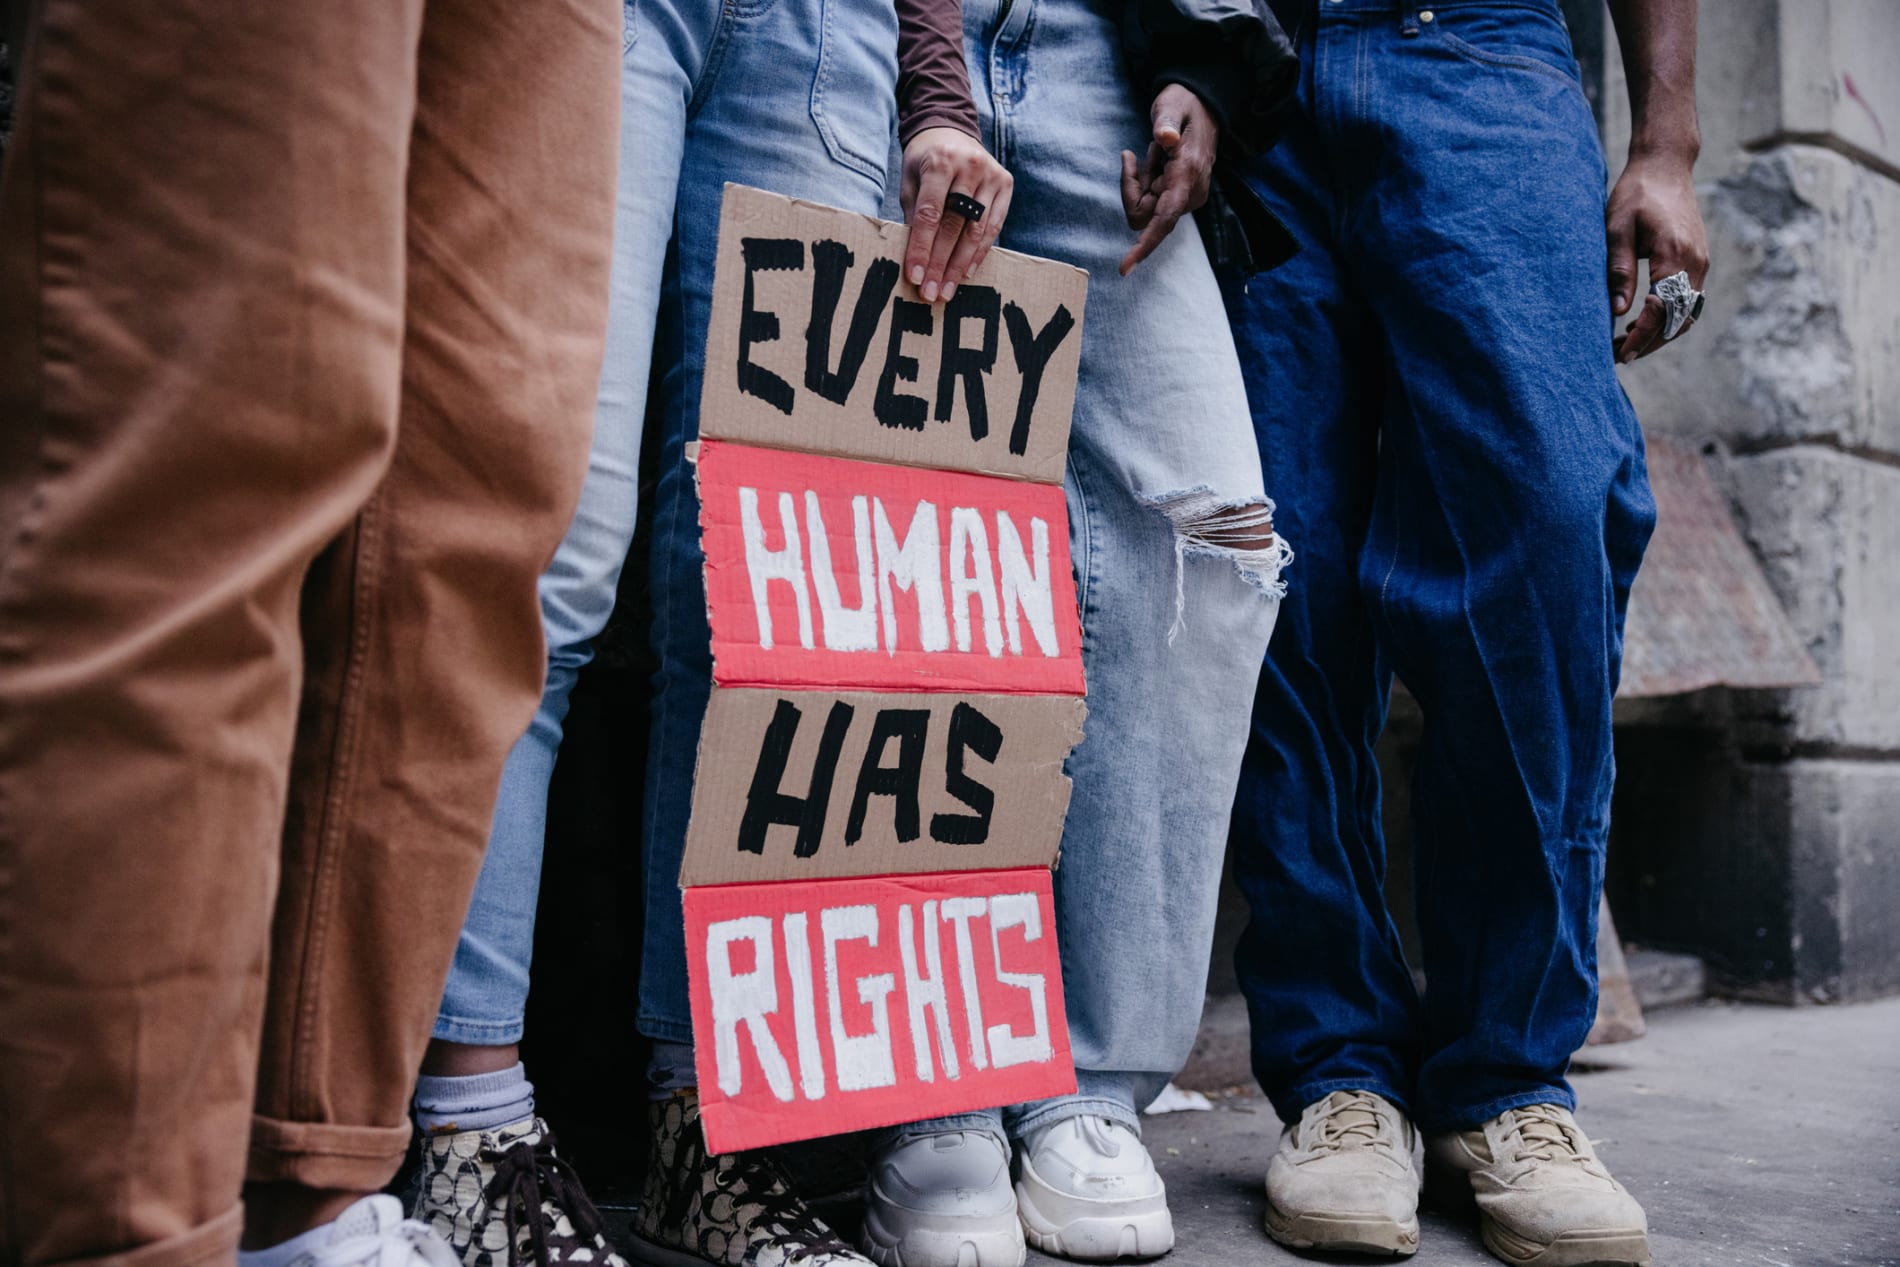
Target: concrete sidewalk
[(1768, 1137)]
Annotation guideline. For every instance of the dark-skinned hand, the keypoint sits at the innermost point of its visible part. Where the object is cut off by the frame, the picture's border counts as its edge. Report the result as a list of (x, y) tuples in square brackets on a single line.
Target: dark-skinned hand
[(1652, 215), (1172, 179)]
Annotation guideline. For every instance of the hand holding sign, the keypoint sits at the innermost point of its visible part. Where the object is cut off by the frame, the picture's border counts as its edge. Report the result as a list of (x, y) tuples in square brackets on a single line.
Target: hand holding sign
[(946, 247)]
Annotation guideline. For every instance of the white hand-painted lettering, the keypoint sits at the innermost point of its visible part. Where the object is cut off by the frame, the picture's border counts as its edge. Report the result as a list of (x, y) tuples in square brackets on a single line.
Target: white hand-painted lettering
[(744, 998), (764, 565), (1011, 910), (863, 1060)]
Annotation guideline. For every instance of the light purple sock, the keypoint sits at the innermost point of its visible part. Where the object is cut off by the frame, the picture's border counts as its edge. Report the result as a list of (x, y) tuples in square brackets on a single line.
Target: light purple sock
[(476, 1102)]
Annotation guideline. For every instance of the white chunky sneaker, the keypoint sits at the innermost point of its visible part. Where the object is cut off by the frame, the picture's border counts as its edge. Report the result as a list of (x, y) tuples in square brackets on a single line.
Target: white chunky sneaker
[(374, 1233), (1343, 1178), (942, 1199), (1543, 1198), (1087, 1190)]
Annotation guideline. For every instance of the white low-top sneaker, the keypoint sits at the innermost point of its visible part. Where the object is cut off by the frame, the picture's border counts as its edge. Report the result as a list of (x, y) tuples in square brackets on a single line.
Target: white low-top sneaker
[(942, 1199), (374, 1233), (1088, 1190)]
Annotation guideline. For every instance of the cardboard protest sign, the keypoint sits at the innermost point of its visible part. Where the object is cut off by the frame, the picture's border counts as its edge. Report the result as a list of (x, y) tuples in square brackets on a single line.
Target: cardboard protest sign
[(819, 1007), (897, 681)]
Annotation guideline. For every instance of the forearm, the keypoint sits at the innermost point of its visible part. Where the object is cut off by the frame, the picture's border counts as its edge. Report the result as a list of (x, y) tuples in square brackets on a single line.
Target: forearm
[(1658, 40), (933, 85)]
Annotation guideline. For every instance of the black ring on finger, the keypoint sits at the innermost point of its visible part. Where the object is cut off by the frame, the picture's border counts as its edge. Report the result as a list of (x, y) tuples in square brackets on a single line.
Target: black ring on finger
[(965, 206)]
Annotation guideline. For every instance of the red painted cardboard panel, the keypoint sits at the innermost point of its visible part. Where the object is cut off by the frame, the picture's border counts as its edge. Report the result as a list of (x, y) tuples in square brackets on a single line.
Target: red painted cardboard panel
[(835, 574), (836, 1005)]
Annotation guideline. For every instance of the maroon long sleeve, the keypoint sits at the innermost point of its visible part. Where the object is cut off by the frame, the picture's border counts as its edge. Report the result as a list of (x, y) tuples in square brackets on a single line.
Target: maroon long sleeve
[(933, 83)]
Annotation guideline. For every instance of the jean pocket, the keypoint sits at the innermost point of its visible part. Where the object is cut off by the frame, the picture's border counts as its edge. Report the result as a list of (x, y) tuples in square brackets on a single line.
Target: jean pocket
[(629, 25), (1509, 37), (854, 92)]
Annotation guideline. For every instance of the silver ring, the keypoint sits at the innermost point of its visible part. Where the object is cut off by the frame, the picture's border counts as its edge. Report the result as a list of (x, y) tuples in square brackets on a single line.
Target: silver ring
[(1682, 303)]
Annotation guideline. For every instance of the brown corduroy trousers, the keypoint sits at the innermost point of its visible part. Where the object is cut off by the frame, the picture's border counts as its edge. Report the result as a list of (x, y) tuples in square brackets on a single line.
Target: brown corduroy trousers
[(301, 310)]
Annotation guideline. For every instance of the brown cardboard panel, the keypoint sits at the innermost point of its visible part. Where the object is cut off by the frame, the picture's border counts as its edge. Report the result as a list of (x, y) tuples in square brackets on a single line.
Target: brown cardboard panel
[(801, 352), (983, 773)]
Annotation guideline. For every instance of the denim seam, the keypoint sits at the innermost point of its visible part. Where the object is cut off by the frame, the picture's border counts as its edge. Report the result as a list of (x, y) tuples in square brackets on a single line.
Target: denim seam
[(1502, 61), (663, 706), (629, 26), (1308, 1094), (1050, 1112), (729, 16), (1085, 567), (842, 154), (1474, 1116), (458, 1029), (660, 1030)]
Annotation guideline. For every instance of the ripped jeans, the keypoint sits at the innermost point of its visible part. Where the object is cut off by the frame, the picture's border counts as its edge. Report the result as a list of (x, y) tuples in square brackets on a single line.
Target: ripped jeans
[(1177, 574)]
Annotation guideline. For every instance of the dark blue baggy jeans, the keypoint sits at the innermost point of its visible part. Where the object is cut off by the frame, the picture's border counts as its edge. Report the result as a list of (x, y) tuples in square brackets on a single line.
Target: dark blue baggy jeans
[(1432, 385)]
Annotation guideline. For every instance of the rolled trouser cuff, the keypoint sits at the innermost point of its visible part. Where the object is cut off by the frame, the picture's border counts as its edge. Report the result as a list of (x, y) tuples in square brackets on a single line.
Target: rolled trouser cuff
[(326, 1155)]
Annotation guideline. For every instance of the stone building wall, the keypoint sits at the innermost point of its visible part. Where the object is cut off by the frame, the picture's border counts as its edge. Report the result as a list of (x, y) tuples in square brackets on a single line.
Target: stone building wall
[(1763, 828)]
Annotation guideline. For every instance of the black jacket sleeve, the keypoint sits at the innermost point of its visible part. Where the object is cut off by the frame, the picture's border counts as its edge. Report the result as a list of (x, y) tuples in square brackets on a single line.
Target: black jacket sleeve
[(1235, 56), (1232, 53)]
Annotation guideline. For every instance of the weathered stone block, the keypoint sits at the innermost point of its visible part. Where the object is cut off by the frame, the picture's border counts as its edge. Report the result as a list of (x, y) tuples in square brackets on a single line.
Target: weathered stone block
[(1843, 871), (1834, 76), (1826, 526), (1783, 875), (1801, 338), (1770, 71)]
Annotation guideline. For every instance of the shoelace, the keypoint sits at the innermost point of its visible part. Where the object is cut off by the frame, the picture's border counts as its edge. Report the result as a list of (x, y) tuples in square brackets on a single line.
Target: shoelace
[(801, 1232), (1353, 1120), (1543, 1135), (529, 1176), (396, 1246)]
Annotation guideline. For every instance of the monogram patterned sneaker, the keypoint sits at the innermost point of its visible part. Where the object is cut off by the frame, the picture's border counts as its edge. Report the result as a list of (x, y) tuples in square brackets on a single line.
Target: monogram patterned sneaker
[(502, 1198), (732, 1210)]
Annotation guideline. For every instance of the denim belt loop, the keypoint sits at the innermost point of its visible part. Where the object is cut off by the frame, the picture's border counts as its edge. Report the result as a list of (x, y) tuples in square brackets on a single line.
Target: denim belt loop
[(1408, 18)]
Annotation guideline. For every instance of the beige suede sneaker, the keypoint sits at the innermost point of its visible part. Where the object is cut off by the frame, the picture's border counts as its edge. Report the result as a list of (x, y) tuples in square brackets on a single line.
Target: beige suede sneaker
[(1542, 1196), (1343, 1178)]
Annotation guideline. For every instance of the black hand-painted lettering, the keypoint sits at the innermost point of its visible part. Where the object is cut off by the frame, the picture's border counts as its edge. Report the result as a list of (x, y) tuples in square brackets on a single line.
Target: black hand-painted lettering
[(830, 262), (971, 730), (764, 255), (908, 726), (894, 408), (1033, 353), (969, 364), (766, 805)]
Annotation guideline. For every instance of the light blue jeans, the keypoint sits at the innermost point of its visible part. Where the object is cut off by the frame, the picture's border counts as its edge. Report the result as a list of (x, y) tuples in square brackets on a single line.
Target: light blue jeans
[(1173, 624), (796, 96)]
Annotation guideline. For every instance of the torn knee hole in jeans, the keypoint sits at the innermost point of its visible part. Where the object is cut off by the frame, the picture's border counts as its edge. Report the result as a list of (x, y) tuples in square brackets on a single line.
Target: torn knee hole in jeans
[(1206, 525)]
